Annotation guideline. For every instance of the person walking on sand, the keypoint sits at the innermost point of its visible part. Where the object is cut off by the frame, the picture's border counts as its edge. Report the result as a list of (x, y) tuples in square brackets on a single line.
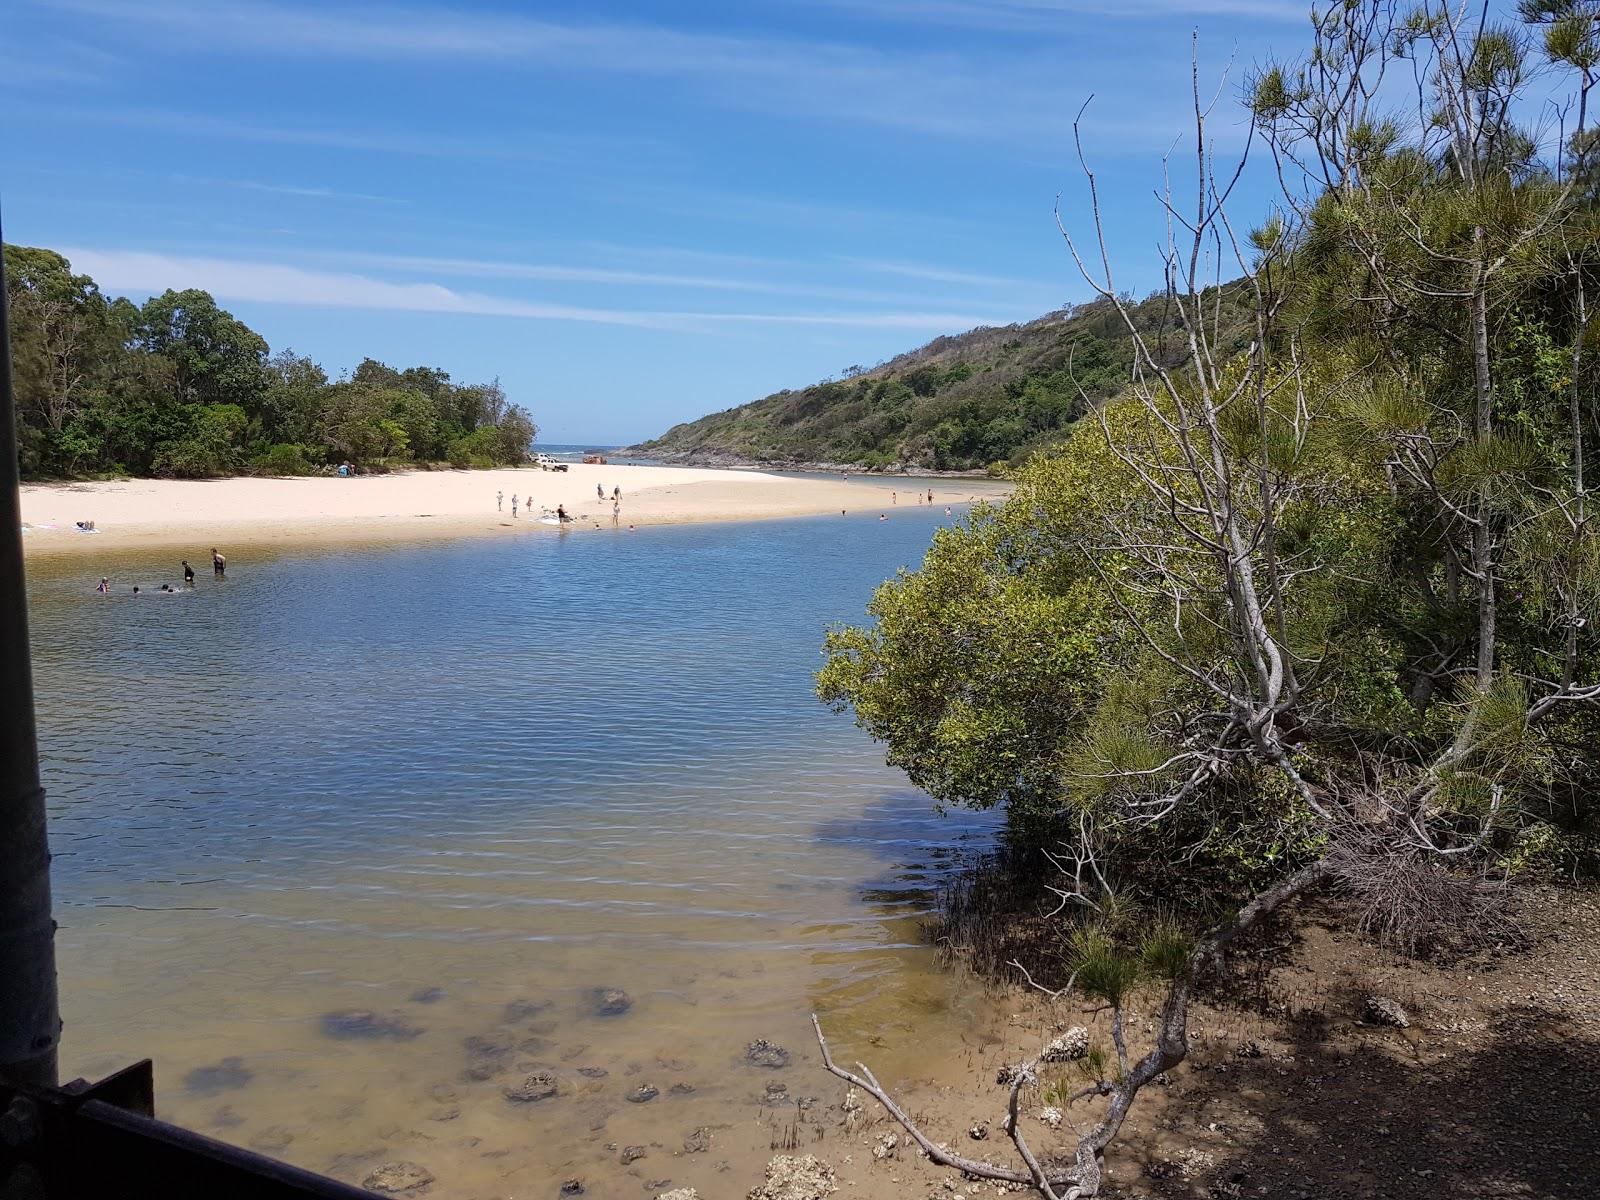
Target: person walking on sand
[(499, 502), (561, 514), (616, 512), (894, 497), (219, 564), (188, 573), (599, 493), (930, 496), (513, 506), (616, 493)]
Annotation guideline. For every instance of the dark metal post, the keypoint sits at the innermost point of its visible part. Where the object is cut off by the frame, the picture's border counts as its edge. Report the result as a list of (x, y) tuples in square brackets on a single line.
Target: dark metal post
[(30, 1022)]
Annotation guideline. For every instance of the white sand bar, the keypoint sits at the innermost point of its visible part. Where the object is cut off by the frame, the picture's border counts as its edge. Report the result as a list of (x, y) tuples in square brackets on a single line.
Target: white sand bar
[(418, 504)]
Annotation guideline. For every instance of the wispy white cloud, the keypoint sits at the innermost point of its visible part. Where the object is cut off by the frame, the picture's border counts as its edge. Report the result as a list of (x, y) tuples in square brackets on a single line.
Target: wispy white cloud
[(934, 274), (289, 189), (227, 129), (271, 283), (1062, 17), (474, 268), (1011, 97)]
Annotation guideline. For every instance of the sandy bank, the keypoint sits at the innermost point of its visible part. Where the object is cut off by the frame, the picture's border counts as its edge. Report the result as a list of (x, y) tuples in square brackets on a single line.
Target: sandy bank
[(419, 504)]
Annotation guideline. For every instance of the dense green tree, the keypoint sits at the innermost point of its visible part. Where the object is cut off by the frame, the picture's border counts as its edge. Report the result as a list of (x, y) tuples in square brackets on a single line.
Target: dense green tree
[(1316, 613), (182, 387)]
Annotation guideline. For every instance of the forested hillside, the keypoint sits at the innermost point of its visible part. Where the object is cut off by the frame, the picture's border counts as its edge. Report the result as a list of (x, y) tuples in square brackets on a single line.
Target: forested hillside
[(181, 387), (991, 395)]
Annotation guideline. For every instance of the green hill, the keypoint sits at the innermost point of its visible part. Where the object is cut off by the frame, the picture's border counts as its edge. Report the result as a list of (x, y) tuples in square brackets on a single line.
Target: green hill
[(989, 396)]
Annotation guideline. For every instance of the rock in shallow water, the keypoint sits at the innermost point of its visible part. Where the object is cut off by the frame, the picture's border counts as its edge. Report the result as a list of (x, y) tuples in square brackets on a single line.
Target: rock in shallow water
[(643, 1094), (398, 1177), (519, 1011), (632, 1154), (360, 1023), (540, 1085), (611, 1002), (219, 1077), (762, 1053)]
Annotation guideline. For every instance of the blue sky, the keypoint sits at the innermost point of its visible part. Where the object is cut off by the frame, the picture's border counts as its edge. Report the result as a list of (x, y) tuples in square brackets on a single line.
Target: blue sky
[(632, 213)]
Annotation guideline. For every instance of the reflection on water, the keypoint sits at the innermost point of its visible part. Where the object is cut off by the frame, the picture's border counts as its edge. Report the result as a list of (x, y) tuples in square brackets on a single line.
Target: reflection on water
[(459, 788)]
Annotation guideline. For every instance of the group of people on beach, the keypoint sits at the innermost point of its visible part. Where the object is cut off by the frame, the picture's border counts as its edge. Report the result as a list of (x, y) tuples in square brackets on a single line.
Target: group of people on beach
[(219, 570), (561, 514)]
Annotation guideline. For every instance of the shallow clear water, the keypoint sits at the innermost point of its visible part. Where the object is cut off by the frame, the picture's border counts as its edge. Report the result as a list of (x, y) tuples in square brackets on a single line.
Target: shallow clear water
[(429, 782)]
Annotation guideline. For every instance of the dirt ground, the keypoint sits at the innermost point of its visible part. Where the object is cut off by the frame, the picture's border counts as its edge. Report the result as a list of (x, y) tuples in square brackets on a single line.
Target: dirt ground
[(1492, 1090)]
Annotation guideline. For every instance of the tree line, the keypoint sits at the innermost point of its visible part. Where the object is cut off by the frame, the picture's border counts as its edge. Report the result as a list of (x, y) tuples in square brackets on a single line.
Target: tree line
[(1313, 614), (180, 387)]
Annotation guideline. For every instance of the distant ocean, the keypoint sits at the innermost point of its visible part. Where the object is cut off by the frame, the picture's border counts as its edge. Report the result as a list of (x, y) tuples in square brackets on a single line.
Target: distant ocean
[(574, 452)]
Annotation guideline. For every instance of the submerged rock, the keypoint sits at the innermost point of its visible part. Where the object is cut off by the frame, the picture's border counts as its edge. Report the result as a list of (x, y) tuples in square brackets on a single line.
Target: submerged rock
[(223, 1076), (593, 1072), (610, 1002), (643, 1094), (762, 1053), (427, 995), (397, 1177), (524, 1010), (541, 1085), (631, 1154), (572, 1187), (272, 1139), (698, 1142), (790, 1178), (679, 1194), (360, 1023)]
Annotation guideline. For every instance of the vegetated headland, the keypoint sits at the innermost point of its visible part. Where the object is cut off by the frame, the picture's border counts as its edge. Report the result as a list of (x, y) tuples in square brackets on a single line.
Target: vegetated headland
[(981, 402)]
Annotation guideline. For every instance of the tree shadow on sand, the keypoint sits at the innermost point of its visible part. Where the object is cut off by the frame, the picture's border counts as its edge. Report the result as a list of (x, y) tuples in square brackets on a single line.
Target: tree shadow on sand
[(1512, 1112)]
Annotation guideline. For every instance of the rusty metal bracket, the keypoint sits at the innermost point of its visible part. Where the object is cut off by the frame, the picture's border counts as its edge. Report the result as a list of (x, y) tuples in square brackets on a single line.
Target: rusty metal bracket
[(103, 1140)]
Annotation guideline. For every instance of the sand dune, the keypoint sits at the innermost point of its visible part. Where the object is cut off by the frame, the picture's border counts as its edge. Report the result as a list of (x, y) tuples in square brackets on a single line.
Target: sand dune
[(419, 504)]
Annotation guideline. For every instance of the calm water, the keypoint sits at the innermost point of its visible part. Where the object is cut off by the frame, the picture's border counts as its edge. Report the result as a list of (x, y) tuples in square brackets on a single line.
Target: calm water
[(430, 782)]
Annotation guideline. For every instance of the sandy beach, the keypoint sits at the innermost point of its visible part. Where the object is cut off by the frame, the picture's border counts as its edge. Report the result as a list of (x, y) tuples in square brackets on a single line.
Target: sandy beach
[(422, 504)]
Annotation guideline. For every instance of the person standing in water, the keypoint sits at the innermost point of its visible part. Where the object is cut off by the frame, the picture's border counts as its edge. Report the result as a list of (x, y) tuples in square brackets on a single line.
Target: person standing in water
[(188, 573), (105, 586), (219, 564)]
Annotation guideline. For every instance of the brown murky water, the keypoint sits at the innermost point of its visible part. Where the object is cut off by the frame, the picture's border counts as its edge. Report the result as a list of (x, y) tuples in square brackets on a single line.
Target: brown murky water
[(348, 843)]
